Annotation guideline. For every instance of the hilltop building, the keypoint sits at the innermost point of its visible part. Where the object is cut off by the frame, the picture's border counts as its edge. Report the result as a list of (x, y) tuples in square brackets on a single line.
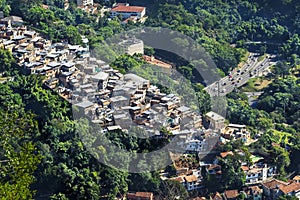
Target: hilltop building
[(127, 11)]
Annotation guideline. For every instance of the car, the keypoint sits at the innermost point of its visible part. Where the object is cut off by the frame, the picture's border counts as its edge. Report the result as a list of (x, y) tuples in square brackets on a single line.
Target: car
[(239, 71), (242, 73), (233, 83), (224, 83), (240, 78), (232, 79)]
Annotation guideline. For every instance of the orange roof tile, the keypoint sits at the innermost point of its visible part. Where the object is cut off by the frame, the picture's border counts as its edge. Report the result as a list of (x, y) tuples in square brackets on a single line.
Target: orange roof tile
[(272, 184), (190, 178), (122, 8), (144, 194), (180, 179), (290, 188)]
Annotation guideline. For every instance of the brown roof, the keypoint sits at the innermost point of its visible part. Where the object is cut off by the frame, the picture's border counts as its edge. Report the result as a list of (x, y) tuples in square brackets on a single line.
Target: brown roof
[(180, 179), (190, 178), (272, 184), (128, 9), (231, 194), (144, 194), (140, 195), (216, 196), (225, 154), (290, 188)]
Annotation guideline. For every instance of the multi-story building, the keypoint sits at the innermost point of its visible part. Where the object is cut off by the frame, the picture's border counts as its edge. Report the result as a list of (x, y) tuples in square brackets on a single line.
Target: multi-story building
[(215, 121), (257, 174)]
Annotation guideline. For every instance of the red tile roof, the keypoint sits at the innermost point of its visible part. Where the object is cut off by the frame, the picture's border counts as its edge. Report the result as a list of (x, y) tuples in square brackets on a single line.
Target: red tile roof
[(274, 183), (128, 9), (293, 187)]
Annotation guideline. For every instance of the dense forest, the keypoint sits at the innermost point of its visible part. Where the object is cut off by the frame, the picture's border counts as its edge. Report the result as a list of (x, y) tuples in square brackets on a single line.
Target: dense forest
[(41, 152)]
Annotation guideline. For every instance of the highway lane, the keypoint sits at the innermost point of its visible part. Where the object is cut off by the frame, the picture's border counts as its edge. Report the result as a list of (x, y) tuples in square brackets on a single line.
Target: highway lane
[(238, 77)]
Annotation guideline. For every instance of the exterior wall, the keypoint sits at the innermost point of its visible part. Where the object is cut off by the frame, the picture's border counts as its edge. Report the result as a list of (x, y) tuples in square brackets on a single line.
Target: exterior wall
[(195, 146), (252, 178), (136, 48), (129, 14)]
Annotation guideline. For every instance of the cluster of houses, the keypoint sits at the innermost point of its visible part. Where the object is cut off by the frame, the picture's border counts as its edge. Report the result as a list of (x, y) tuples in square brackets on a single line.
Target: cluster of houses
[(118, 101), (270, 189)]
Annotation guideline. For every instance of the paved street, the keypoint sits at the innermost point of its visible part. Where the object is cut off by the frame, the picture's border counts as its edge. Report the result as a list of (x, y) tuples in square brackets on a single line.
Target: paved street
[(238, 77)]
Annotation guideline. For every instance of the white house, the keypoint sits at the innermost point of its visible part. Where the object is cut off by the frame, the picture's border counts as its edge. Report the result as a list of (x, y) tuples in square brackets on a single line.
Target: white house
[(257, 174)]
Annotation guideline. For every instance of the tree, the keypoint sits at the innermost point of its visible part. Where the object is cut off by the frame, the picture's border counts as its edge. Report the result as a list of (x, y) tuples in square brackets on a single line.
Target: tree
[(6, 60), (19, 157), (72, 35), (172, 190), (281, 69), (262, 50)]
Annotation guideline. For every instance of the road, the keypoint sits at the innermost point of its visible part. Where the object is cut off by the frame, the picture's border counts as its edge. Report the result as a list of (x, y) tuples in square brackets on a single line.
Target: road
[(238, 77)]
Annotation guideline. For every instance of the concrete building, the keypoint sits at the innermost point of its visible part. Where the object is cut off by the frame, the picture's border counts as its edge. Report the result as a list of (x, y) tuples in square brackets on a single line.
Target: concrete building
[(215, 121), (132, 46)]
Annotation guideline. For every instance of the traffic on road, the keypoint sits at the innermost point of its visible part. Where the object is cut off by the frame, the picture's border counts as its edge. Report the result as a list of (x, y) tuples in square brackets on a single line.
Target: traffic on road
[(254, 67)]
